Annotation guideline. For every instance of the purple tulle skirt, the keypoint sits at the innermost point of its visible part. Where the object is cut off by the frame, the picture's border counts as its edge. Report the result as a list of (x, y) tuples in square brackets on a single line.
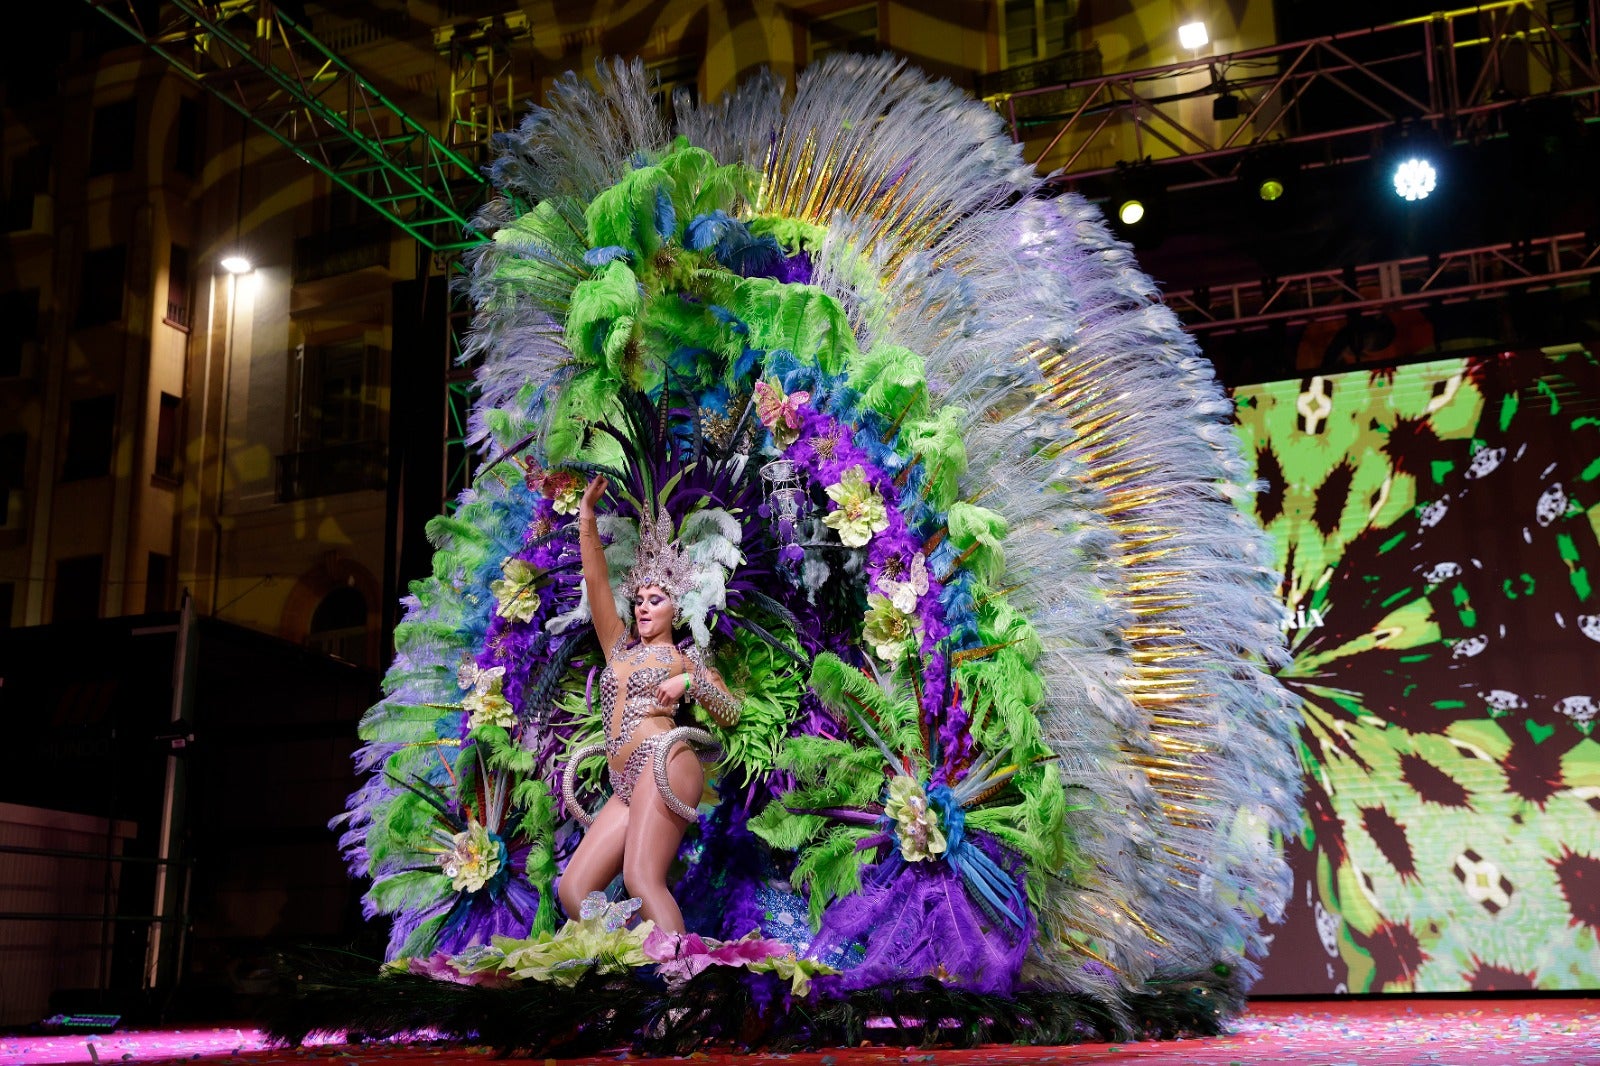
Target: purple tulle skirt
[(915, 920)]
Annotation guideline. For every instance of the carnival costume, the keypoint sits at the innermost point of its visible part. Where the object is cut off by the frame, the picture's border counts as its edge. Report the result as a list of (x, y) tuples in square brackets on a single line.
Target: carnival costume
[(959, 498)]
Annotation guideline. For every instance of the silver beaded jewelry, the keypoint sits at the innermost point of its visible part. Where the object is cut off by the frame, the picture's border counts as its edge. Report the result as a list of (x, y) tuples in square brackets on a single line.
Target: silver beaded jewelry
[(705, 748)]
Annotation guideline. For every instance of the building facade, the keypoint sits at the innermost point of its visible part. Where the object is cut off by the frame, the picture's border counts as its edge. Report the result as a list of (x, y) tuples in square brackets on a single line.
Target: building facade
[(169, 425)]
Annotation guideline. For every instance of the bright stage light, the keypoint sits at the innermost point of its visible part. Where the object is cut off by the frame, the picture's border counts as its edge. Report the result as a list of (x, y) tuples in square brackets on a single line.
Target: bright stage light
[(1270, 189), (1415, 178), (236, 264), (1130, 212), (1192, 35)]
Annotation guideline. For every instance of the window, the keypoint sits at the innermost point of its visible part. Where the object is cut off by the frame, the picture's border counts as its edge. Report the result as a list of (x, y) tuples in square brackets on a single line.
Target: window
[(168, 429), (178, 287), (155, 583), (1037, 29), (13, 476), (19, 330), (339, 625), (104, 277), (338, 431), (669, 76), (111, 144), (186, 138), (29, 176), (336, 405), (848, 31), (77, 589), (91, 426), (8, 598)]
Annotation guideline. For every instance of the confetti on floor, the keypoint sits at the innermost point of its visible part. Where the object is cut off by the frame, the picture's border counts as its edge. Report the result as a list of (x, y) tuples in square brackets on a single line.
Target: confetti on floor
[(1394, 1031)]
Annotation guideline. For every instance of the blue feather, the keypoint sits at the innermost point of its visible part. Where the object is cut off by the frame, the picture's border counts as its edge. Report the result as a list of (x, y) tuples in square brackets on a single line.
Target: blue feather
[(666, 215), (706, 230), (602, 256)]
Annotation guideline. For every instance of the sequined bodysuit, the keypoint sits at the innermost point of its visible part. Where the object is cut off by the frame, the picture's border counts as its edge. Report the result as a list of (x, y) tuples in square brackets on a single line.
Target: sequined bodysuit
[(634, 717), (638, 729)]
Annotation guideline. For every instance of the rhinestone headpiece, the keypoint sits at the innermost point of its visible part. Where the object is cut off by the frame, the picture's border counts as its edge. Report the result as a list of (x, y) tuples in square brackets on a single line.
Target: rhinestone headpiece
[(661, 562)]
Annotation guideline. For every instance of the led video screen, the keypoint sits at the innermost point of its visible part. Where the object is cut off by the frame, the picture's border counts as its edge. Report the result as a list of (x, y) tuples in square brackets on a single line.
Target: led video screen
[(1438, 529)]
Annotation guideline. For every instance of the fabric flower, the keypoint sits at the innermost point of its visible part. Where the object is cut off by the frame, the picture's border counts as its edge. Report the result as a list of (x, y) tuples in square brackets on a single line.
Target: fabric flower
[(443, 967), (916, 823), (514, 597), (780, 413), (891, 632), (473, 858), (486, 701), (680, 957), (598, 940), (905, 594), (860, 512), (562, 487)]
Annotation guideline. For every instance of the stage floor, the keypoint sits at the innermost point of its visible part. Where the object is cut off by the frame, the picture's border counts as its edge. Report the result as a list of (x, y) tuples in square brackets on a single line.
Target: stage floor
[(1548, 1031)]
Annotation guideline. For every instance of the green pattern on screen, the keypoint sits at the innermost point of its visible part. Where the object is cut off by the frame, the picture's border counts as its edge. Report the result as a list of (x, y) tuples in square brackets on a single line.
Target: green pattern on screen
[(1438, 529)]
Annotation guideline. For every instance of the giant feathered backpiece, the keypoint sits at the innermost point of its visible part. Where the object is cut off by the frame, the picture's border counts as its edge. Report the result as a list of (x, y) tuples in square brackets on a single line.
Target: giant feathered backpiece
[(962, 497)]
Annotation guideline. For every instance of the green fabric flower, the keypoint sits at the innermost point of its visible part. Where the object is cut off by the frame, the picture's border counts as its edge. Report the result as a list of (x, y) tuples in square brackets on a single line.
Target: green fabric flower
[(891, 632), (514, 596), (486, 701), (473, 858), (916, 823), (563, 957), (794, 969), (860, 512)]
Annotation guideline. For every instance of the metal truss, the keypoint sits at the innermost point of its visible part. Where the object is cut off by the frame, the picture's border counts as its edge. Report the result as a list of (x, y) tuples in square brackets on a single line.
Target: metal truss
[(483, 102), (1453, 277), (483, 97), (274, 73), (1453, 72)]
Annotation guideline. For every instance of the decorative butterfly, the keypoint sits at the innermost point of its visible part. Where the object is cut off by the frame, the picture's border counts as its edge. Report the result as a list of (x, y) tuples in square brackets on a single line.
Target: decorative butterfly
[(905, 594), (480, 682), (612, 916), (779, 412)]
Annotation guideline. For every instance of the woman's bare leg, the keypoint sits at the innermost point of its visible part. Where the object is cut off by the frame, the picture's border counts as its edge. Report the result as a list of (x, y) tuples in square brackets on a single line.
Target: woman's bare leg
[(598, 858), (654, 834)]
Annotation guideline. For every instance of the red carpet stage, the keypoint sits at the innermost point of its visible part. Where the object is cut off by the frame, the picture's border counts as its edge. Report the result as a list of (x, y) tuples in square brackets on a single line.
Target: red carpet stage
[(1388, 1032)]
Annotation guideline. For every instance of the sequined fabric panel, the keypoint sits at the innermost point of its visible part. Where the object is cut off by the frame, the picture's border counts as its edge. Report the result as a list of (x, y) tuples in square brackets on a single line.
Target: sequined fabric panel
[(622, 782)]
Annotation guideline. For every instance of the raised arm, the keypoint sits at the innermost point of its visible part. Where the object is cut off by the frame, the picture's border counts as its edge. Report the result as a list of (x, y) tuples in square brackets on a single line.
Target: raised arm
[(596, 574)]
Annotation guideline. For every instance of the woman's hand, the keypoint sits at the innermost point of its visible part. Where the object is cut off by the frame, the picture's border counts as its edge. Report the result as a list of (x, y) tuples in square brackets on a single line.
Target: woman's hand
[(591, 495), (670, 691)]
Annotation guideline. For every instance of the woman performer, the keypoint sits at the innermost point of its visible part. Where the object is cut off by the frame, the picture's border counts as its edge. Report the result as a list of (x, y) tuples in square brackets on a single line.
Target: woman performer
[(656, 777)]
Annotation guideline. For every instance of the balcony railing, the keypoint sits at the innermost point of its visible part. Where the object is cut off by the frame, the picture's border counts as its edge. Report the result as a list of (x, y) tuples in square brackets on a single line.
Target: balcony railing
[(177, 315), (1057, 70), (329, 471), (341, 251)]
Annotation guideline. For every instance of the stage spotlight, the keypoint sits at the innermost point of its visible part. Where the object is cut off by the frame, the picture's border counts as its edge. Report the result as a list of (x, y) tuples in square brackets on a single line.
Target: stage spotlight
[(1136, 200), (1266, 175), (1192, 35), (1414, 178), (236, 264), (1225, 106)]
